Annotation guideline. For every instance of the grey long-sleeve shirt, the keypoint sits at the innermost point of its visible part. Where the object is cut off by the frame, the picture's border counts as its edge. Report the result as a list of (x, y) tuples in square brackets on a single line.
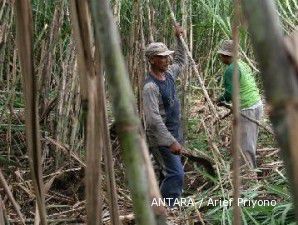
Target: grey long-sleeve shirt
[(154, 109)]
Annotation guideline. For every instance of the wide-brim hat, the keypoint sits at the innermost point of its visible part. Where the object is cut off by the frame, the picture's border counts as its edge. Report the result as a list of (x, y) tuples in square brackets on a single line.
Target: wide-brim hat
[(226, 48), (157, 48)]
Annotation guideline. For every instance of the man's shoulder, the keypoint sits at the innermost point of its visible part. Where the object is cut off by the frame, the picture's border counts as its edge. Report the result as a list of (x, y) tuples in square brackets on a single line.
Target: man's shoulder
[(231, 66), (242, 66), (229, 69), (150, 85), (245, 68), (169, 72)]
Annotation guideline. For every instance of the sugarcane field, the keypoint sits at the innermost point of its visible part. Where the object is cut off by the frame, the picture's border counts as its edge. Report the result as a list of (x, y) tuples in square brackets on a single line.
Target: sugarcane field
[(149, 112)]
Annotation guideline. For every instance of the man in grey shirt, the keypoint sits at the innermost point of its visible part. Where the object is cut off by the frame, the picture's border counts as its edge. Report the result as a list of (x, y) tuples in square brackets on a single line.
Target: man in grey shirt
[(162, 115)]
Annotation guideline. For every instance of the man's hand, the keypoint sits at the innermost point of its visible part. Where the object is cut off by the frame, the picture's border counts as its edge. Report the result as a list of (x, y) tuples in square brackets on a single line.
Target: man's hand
[(176, 148), (220, 103), (179, 31), (224, 104)]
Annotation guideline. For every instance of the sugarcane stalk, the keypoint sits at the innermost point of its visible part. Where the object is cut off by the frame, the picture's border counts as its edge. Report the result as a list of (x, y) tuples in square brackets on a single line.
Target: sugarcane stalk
[(236, 120), (128, 124), (24, 42), (107, 147), (280, 82), (94, 143), (2, 213), (193, 64)]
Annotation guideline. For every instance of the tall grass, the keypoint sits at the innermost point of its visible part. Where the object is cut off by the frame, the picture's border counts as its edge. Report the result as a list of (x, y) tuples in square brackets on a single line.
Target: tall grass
[(62, 116)]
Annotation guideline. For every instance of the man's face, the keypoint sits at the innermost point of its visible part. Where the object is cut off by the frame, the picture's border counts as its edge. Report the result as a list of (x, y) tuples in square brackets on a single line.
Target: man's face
[(226, 59), (160, 63)]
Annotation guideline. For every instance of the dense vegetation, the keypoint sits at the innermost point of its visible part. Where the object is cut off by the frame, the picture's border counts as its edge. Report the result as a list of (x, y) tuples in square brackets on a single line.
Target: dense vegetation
[(207, 23)]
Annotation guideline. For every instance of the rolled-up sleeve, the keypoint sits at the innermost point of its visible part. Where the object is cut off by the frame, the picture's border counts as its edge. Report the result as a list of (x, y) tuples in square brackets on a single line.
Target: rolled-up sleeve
[(157, 132)]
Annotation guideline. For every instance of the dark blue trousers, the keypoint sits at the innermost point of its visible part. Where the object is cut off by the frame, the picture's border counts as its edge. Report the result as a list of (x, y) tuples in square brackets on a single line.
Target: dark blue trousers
[(172, 174)]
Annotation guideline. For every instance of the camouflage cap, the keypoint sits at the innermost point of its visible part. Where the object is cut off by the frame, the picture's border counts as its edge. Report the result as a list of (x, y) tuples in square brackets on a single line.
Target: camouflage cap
[(226, 48), (157, 48)]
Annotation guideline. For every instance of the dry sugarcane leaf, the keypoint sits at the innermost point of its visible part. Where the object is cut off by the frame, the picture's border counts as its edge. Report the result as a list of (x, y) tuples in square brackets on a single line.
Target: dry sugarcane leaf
[(66, 150), (10, 196), (36, 217), (48, 184)]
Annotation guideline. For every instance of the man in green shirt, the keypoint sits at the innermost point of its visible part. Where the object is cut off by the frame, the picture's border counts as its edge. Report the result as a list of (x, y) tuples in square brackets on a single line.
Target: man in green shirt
[(250, 100)]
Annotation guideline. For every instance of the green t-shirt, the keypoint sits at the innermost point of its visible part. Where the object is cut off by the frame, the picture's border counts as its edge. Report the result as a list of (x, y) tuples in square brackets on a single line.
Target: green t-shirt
[(249, 92)]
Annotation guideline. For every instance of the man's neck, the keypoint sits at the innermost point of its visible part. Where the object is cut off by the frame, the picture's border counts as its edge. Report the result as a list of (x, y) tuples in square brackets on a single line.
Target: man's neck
[(158, 74)]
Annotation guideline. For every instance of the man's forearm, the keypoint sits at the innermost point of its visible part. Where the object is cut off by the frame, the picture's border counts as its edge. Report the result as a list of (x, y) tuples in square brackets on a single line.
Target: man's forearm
[(155, 124), (180, 53)]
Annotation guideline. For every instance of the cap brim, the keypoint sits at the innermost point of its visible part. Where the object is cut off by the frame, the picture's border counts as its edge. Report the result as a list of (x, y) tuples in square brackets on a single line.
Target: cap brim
[(225, 53), (165, 53)]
